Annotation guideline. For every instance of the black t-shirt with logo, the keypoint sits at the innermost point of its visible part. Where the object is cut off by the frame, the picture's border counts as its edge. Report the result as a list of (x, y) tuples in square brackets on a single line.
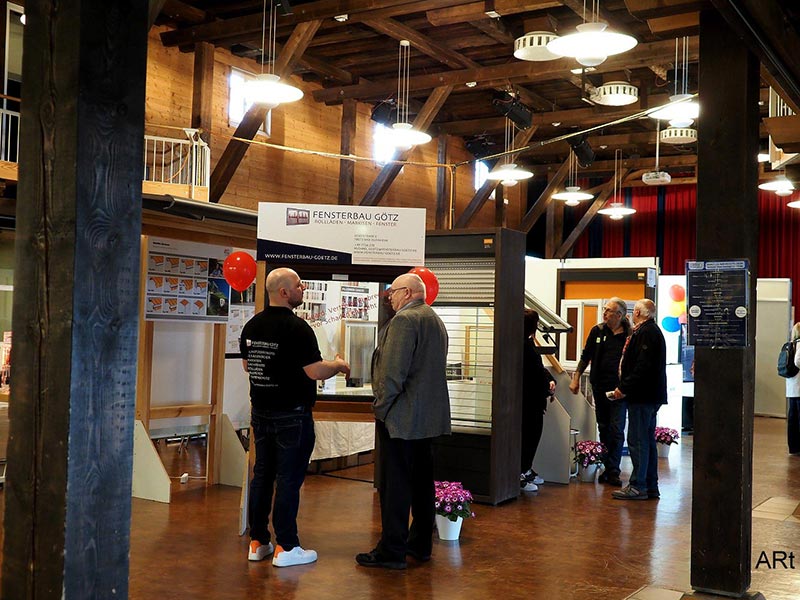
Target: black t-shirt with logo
[(277, 344)]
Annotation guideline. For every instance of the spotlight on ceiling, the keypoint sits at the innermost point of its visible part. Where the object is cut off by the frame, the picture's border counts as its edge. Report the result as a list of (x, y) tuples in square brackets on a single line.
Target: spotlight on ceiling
[(385, 113), (583, 151), (508, 106)]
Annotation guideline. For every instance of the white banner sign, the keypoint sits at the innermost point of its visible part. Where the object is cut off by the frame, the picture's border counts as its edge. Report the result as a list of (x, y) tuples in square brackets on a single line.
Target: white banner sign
[(340, 235)]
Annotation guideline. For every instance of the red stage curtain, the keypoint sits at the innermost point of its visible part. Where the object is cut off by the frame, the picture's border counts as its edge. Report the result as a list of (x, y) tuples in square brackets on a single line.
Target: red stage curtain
[(643, 225), (679, 228), (779, 240)]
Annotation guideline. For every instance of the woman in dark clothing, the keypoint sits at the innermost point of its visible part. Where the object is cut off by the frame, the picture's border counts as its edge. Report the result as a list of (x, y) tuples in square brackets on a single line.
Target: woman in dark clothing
[(537, 386)]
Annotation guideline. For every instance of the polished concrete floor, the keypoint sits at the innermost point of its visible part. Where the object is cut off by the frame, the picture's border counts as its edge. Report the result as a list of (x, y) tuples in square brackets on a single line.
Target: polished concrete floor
[(566, 542)]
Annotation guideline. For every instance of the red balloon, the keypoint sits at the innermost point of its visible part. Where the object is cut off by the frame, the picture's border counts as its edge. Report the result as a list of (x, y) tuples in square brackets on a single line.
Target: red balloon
[(677, 292), (239, 270), (430, 281)]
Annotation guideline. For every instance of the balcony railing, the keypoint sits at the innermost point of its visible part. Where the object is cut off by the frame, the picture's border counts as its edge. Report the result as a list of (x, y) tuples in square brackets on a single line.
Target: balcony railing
[(9, 135), (176, 161)]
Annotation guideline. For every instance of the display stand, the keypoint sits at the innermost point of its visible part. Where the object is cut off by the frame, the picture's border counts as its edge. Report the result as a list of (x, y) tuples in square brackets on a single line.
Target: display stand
[(484, 270)]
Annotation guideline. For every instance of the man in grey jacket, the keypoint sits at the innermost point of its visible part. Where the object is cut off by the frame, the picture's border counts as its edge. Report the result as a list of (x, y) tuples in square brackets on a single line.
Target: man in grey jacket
[(411, 408)]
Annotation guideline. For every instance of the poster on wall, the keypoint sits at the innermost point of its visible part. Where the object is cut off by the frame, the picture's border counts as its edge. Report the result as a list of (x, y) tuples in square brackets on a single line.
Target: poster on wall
[(185, 282), (718, 302), (671, 308), (340, 235)]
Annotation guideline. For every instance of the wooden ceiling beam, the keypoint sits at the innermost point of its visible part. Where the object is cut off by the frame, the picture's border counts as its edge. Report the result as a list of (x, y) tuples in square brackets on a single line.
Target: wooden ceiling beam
[(476, 11), (386, 177), (175, 10), (680, 161), (495, 29), (642, 56), (235, 150), (398, 31), (590, 214), (482, 195), (545, 198), (230, 31), (656, 9)]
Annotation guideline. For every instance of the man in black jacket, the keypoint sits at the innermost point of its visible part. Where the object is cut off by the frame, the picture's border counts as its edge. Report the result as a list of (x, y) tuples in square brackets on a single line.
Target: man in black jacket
[(643, 384), (603, 350)]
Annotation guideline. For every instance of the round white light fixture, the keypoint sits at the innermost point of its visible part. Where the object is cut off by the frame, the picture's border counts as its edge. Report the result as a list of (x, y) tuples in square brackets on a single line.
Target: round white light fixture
[(533, 46), (679, 135), (763, 157), (615, 93), (795, 204), (403, 135), (572, 194), (592, 44), (22, 18), (680, 109), (267, 88), (509, 182), (508, 171), (780, 185), (617, 210)]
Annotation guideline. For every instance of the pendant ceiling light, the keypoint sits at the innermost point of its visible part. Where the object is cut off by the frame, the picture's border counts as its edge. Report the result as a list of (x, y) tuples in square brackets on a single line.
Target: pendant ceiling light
[(267, 88), (615, 93), (616, 210), (682, 110), (533, 46), (572, 195), (506, 172), (780, 185), (403, 135), (593, 42), (679, 135)]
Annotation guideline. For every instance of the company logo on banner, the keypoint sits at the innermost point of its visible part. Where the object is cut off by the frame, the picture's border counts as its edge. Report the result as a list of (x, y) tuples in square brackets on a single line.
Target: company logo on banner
[(339, 235)]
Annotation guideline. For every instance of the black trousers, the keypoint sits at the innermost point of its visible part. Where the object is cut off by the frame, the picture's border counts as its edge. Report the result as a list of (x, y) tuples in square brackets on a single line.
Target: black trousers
[(532, 424), (406, 485), (793, 425)]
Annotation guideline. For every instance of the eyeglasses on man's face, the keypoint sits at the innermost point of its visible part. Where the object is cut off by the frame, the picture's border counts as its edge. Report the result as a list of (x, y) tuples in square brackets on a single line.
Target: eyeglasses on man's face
[(391, 291), (611, 310)]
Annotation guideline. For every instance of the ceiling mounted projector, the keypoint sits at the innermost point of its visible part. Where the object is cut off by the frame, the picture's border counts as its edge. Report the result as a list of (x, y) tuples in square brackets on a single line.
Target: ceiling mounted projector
[(656, 178)]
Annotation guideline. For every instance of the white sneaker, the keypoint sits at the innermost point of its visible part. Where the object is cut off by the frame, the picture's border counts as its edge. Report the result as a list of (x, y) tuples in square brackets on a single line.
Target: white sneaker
[(530, 487), (538, 480), (295, 556), (259, 551)]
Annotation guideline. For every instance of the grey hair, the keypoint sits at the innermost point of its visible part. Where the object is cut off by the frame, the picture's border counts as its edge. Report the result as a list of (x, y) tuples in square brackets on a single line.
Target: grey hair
[(623, 308), (647, 308)]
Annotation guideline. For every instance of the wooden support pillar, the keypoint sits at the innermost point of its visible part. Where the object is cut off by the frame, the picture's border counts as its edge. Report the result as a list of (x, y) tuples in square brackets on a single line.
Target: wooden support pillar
[(555, 228), (203, 88), (442, 197), (727, 228), (499, 205), (347, 168), (76, 301)]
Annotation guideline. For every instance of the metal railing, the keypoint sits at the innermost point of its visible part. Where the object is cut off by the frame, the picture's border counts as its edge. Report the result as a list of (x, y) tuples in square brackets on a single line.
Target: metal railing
[(777, 107), (170, 160), (9, 135)]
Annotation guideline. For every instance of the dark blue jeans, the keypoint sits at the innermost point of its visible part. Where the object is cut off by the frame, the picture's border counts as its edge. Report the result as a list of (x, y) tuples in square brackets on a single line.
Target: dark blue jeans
[(284, 444), (793, 425), (610, 416), (642, 445)]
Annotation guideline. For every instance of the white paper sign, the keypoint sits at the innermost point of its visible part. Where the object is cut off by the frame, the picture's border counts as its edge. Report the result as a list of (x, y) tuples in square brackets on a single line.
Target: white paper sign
[(340, 235)]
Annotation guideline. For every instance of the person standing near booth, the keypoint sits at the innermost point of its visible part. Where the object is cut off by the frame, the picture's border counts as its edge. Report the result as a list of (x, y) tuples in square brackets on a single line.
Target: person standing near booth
[(412, 406), (282, 358), (603, 350), (793, 398)]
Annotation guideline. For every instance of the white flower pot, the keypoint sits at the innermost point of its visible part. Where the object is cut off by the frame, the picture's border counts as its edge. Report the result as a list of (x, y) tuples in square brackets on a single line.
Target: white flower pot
[(588, 473), (448, 530), (663, 450)]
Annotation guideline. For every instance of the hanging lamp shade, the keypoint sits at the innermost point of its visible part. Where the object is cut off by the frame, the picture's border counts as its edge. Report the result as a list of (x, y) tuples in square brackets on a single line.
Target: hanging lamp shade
[(572, 194), (402, 135), (795, 204), (617, 210), (679, 135), (780, 185), (615, 93), (533, 46), (268, 88), (592, 44), (679, 110), (508, 171)]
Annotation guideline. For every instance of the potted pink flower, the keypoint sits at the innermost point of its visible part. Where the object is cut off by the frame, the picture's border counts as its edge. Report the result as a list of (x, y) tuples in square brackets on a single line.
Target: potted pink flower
[(589, 454), (452, 505), (665, 438)]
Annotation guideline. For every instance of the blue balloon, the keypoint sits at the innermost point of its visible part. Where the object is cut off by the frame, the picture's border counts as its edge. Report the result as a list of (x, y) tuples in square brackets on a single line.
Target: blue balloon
[(671, 324)]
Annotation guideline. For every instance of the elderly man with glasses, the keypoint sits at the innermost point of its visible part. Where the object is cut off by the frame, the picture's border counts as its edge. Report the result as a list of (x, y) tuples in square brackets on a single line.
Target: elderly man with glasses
[(412, 406), (603, 350)]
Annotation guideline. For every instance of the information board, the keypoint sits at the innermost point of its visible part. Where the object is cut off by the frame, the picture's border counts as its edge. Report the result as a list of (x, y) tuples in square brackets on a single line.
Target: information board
[(718, 303), (340, 235)]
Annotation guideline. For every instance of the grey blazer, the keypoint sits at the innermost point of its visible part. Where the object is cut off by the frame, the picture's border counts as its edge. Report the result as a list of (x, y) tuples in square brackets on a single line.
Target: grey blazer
[(409, 377)]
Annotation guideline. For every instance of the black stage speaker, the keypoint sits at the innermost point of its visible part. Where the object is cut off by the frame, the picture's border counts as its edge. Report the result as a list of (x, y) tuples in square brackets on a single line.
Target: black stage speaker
[(583, 151)]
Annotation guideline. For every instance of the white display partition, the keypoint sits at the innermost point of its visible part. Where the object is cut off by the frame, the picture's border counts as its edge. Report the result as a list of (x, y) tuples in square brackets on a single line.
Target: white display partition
[(554, 457), (150, 480), (773, 324), (670, 415)]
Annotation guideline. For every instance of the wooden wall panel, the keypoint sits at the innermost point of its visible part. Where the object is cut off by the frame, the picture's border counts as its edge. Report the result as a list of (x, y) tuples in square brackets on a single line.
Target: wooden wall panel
[(267, 174)]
